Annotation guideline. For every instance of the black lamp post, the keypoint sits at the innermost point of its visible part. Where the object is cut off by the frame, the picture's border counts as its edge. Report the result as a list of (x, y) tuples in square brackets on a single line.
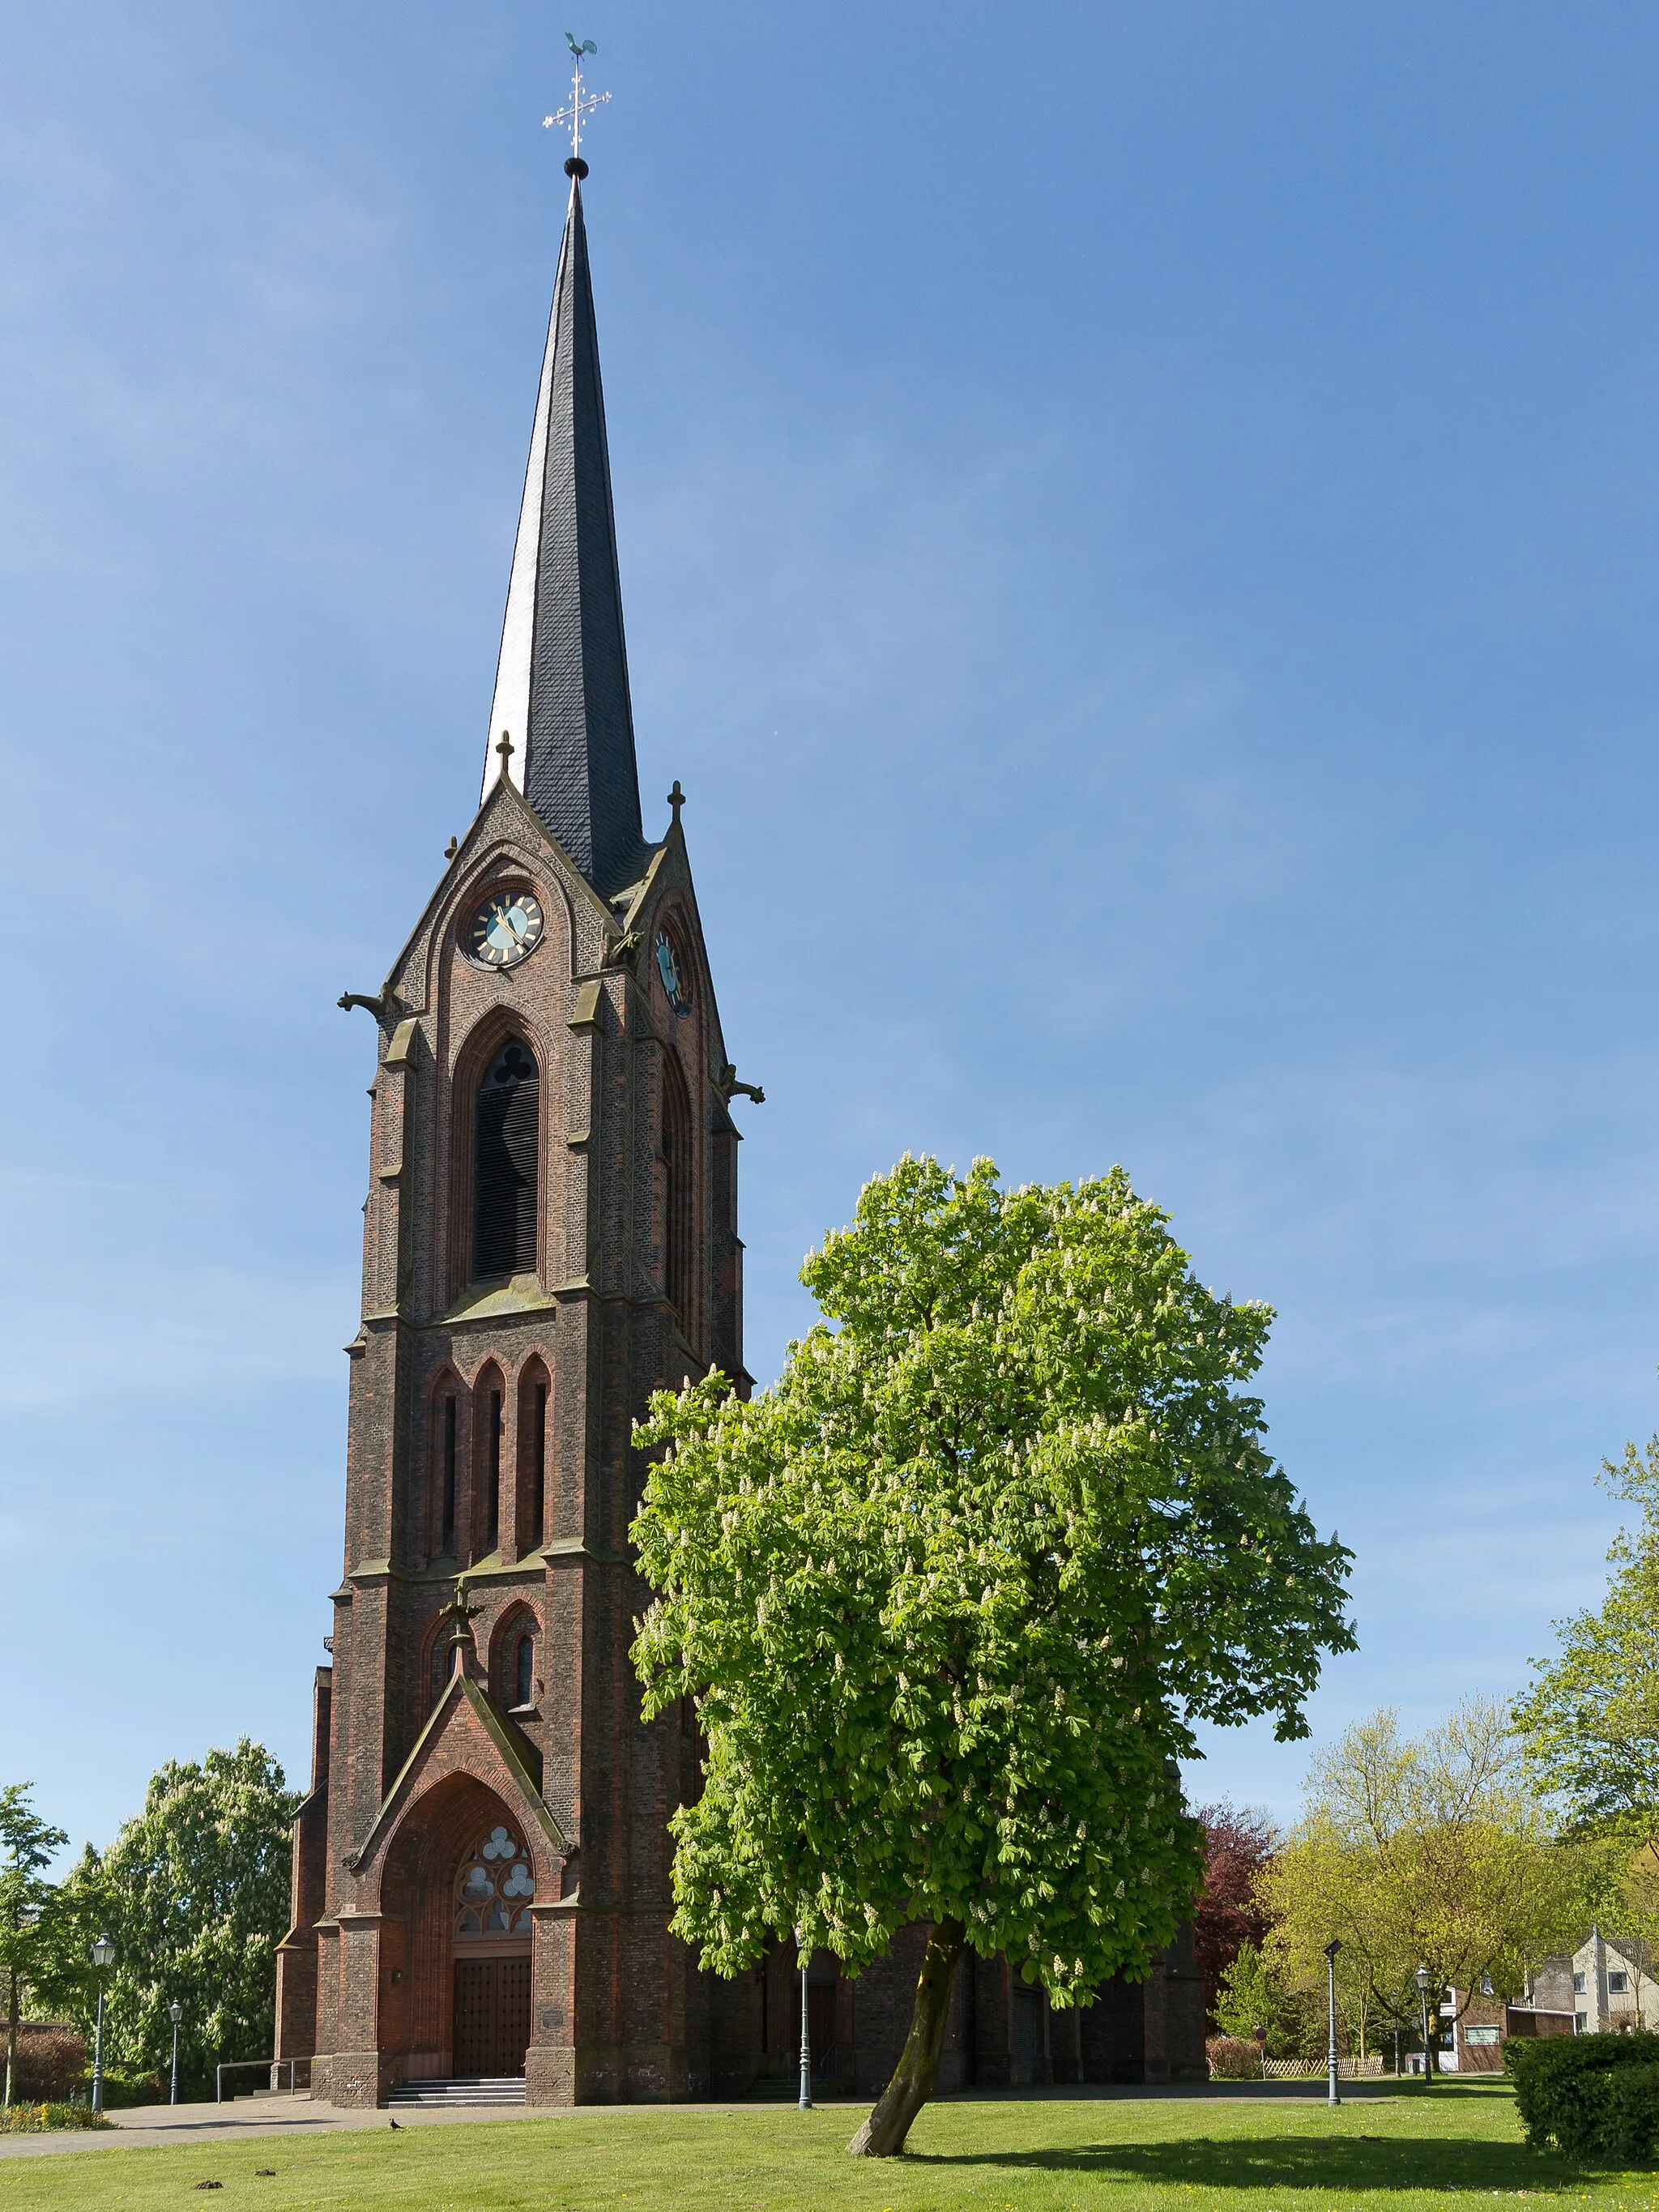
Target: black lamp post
[(103, 1957), (1334, 2096), (1422, 1979), (175, 2014)]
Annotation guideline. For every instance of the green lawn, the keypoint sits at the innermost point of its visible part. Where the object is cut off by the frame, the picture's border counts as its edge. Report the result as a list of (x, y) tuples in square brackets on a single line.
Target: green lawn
[(1398, 2148)]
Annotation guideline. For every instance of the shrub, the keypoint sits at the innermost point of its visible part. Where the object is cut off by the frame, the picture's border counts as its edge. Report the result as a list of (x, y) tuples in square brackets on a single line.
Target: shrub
[(51, 2063), (1592, 2096), (1633, 2115), (1232, 2058), (130, 2085), (35, 2119)]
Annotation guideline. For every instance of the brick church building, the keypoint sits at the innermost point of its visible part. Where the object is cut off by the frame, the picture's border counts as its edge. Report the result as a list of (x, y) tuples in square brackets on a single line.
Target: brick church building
[(481, 1867)]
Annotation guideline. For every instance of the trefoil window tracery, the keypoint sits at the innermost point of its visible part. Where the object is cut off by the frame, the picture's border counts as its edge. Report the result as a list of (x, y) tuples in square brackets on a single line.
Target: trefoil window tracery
[(494, 1888)]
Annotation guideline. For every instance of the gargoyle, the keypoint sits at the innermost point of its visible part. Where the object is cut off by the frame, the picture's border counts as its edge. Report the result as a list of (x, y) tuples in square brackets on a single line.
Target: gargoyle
[(729, 1086), (351, 999)]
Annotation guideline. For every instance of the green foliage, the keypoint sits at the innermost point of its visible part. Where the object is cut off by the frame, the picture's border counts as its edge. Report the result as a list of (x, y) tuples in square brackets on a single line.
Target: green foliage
[(1429, 1852), (1590, 1723), (950, 1595), (1631, 2124), (27, 1844), (195, 1894), (1592, 2096), (1257, 1992), (61, 1980)]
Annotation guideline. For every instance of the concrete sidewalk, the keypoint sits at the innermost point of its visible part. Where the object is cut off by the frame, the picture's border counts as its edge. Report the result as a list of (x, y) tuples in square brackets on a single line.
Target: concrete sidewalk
[(148, 2125)]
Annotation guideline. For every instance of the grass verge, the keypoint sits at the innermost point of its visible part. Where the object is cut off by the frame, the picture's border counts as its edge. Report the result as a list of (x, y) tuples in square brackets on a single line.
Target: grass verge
[(1396, 2148)]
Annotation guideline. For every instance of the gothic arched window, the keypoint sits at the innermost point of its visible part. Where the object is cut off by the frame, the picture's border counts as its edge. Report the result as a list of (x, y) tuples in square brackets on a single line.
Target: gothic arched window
[(532, 1458), (524, 1671), (489, 1429), (505, 1156), (445, 1407), (678, 1240)]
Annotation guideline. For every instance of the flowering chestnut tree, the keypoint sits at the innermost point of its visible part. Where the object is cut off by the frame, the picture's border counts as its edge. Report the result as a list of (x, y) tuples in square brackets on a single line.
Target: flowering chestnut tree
[(951, 1594)]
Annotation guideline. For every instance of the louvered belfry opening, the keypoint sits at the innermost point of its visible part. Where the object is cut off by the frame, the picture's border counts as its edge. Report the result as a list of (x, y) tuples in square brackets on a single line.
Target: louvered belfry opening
[(678, 1238), (504, 1239)]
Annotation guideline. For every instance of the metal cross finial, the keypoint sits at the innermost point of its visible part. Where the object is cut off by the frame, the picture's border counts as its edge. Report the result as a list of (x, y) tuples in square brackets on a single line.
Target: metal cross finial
[(676, 799), (577, 109)]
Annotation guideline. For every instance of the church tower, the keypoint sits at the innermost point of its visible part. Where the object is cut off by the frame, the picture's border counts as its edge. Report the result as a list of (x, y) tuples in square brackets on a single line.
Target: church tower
[(481, 1867), (481, 1883)]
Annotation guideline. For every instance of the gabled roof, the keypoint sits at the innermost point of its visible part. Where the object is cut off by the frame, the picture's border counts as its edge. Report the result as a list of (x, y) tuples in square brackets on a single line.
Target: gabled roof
[(562, 690), (463, 1696)]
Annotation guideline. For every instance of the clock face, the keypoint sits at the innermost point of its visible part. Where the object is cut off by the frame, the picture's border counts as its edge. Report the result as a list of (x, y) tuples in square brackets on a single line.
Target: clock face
[(668, 968), (505, 930)]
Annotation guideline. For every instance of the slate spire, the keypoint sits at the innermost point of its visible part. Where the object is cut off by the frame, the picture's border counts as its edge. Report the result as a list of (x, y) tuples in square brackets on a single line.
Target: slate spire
[(561, 682)]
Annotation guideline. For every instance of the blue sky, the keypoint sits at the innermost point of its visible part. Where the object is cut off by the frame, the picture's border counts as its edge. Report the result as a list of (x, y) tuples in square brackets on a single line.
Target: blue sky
[(1140, 531)]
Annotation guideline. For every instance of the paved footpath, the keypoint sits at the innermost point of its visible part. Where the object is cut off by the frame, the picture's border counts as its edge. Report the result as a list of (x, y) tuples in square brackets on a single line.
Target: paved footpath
[(149, 2125), (144, 2125)]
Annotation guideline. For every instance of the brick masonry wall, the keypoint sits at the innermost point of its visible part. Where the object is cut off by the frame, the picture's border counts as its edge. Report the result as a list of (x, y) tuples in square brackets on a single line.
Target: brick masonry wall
[(630, 2016)]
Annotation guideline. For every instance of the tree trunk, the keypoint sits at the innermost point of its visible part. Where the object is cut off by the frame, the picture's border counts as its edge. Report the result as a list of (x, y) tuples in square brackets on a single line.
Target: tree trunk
[(882, 2134), (11, 2033)]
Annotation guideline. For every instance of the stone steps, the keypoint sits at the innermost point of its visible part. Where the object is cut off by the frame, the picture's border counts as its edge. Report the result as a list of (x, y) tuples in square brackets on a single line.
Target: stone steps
[(488, 2090)]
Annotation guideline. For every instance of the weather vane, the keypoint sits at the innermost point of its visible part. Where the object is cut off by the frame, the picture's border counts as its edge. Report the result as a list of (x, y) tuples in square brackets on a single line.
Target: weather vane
[(579, 107)]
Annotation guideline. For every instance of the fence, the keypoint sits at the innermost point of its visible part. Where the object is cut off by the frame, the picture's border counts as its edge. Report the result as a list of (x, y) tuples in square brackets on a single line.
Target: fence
[(1317, 2070), (272, 2067)]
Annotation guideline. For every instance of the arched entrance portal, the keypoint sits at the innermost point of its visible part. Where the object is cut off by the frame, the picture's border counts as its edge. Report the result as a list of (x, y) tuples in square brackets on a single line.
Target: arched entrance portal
[(455, 1995)]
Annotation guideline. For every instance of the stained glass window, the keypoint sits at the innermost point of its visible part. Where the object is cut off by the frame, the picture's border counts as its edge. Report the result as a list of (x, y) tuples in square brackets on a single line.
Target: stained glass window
[(494, 1884)]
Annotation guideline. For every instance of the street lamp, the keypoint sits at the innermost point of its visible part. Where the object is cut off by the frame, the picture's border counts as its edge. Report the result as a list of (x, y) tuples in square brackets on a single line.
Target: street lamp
[(1330, 1950), (175, 2014), (103, 1957), (1421, 1977), (806, 2102)]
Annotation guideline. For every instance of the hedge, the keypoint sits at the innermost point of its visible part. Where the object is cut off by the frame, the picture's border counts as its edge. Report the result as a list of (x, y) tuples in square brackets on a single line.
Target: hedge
[(36, 2119), (51, 2063), (1592, 2096), (1233, 2059)]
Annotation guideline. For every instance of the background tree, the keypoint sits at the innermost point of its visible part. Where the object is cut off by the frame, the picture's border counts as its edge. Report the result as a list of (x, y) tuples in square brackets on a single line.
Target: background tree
[(61, 1983), (195, 1892), (1431, 1852), (1590, 1723), (1630, 1911), (951, 1593), (1257, 2002), (28, 1846), (1237, 1844)]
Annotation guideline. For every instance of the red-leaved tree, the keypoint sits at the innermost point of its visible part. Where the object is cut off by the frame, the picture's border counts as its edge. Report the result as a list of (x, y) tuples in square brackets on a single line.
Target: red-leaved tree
[(1240, 1841)]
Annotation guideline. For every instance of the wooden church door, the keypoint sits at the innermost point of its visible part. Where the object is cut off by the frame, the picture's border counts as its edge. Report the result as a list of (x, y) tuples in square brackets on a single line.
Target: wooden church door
[(492, 2017)]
